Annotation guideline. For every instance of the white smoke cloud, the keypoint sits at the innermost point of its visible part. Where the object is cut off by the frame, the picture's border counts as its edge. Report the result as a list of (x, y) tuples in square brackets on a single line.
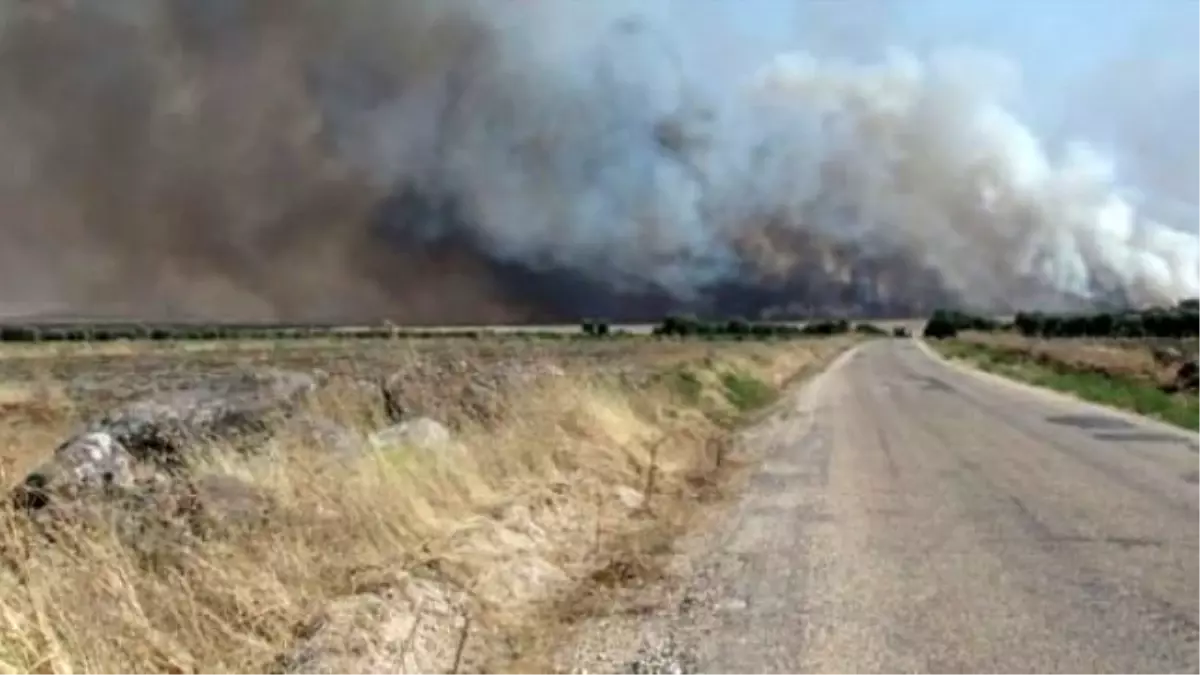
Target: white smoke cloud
[(938, 163), (589, 153)]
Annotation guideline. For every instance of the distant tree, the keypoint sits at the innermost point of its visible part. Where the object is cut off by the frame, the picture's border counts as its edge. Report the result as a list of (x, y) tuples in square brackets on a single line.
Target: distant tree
[(1189, 305), (942, 324), (737, 326), (834, 327), (677, 325), (19, 334), (868, 329)]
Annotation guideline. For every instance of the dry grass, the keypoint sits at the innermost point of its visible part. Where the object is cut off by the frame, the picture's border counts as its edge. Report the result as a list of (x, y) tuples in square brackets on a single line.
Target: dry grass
[(1129, 358), (392, 560)]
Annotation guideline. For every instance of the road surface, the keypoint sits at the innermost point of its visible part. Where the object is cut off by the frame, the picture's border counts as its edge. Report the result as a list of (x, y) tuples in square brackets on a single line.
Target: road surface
[(915, 516)]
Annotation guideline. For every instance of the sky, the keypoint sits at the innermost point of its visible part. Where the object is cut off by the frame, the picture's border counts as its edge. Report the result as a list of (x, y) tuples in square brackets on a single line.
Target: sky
[(1053, 41), (1123, 75)]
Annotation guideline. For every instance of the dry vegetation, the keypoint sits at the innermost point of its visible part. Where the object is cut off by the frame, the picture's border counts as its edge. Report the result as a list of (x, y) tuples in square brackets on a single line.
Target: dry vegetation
[(1152, 360), (1151, 376), (570, 460)]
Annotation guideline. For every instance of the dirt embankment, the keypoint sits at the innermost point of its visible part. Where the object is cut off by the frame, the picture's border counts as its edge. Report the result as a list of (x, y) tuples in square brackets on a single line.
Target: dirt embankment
[(457, 548)]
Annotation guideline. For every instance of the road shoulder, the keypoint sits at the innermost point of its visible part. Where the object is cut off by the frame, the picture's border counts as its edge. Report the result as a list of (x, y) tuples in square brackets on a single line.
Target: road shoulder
[(1053, 396), (674, 623)]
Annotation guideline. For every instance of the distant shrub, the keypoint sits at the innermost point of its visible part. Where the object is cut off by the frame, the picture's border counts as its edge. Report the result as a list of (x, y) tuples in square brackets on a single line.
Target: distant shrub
[(738, 326), (595, 327), (834, 327), (19, 334), (1177, 322), (946, 323), (1190, 305), (676, 325), (900, 332), (741, 329), (941, 325), (868, 329)]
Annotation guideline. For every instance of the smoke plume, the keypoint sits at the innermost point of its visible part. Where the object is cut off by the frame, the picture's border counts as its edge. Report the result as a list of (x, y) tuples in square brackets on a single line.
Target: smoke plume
[(479, 161)]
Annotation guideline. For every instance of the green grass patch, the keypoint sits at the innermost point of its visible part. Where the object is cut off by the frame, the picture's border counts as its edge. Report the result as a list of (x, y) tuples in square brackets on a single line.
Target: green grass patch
[(746, 392), (683, 383), (1140, 396)]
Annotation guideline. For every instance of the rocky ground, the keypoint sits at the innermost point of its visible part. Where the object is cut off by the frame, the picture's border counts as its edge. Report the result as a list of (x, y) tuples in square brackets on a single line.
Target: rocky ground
[(365, 506)]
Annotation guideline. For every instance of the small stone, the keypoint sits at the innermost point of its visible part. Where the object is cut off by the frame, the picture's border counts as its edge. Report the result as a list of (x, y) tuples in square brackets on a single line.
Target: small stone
[(422, 432), (632, 499)]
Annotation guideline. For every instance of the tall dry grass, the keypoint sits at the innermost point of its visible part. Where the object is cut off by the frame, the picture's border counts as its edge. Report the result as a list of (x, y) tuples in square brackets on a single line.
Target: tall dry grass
[(389, 560)]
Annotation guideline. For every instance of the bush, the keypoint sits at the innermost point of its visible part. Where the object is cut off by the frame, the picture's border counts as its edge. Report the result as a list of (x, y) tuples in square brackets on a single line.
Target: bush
[(736, 328), (1178, 322), (944, 323), (868, 329), (835, 327), (747, 392), (19, 334), (900, 332), (941, 325), (675, 325), (595, 327)]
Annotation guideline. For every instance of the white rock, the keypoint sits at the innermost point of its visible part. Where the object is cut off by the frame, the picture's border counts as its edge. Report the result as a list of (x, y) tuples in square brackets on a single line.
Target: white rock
[(631, 498), (422, 432)]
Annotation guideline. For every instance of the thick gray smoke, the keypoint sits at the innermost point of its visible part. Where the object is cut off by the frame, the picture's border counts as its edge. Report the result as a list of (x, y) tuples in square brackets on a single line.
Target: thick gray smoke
[(463, 160)]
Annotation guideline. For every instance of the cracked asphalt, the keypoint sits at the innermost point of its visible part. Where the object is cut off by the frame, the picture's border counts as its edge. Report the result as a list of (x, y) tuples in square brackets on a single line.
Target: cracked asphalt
[(911, 515)]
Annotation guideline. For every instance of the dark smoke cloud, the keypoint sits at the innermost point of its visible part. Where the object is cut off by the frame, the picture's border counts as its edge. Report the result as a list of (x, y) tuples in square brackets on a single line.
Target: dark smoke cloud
[(173, 160), (470, 161)]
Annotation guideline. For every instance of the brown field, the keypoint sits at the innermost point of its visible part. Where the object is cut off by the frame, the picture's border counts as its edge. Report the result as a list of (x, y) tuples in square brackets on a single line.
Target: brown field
[(571, 462), (1154, 360), (642, 328)]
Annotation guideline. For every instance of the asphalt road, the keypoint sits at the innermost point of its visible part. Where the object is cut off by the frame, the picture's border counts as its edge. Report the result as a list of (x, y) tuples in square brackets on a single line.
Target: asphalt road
[(911, 515)]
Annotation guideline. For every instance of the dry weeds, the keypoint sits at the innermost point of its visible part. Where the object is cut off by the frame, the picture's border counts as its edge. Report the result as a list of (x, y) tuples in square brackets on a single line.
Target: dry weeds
[(386, 561), (1154, 361)]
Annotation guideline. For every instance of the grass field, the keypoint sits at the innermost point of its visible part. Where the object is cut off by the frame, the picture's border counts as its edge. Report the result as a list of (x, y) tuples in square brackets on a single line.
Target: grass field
[(571, 461), (1131, 374)]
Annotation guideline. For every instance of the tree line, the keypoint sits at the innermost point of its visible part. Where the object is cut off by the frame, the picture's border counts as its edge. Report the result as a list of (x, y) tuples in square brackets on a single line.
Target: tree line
[(737, 328), (673, 326), (1179, 321), (165, 333)]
